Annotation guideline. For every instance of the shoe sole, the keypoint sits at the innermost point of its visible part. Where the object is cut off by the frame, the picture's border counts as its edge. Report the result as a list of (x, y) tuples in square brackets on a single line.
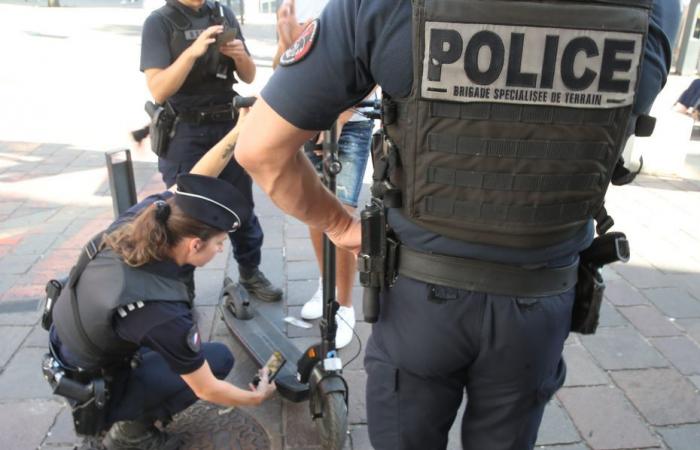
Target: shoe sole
[(263, 298), (311, 318), (274, 299)]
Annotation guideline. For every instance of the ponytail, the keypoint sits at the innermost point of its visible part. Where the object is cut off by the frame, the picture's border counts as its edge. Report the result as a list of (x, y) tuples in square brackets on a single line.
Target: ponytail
[(153, 232)]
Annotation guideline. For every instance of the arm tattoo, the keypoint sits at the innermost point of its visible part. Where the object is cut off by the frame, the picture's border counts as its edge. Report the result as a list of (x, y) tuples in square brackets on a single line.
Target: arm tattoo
[(228, 151)]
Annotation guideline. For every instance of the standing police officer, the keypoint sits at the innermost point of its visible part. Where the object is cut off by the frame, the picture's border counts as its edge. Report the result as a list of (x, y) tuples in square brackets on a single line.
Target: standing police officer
[(504, 121), (191, 52)]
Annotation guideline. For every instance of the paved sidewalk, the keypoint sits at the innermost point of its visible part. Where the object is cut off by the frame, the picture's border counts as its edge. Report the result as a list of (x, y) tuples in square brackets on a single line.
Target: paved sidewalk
[(632, 385), (635, 384)]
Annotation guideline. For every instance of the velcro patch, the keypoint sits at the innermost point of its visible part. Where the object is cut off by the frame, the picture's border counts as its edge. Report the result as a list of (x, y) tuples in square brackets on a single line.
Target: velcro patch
[(470, 62), (194, 342), (302, 46)]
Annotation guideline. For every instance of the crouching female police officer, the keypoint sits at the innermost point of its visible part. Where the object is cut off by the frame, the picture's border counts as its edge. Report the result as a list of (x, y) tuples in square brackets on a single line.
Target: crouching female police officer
[(125, 318)]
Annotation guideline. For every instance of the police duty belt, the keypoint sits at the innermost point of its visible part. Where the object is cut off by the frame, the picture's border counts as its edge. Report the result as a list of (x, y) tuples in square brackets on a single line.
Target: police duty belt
[(482, 276), (223, 113)]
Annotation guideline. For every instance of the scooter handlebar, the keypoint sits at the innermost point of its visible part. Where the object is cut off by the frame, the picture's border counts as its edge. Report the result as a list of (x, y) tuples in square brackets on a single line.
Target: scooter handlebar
[(243, 102)]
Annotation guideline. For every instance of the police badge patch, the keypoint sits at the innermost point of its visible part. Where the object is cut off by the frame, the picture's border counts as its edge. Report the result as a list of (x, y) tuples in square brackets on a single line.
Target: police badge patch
[(530, 65), (193, 340), (302, 46)]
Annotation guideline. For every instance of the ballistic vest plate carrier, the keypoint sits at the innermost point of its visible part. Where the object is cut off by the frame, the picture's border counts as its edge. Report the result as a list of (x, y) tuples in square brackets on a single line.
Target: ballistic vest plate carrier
[(518, 113), (84, 322), (186, 26)]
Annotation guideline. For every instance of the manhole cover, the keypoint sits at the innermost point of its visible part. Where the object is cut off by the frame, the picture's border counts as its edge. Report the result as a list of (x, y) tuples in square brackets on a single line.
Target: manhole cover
[(204, 426)]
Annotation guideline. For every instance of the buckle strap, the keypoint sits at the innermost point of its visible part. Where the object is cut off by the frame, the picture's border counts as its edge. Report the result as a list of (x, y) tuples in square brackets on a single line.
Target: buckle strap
[(603, 221), (92, 247), (481, 276)]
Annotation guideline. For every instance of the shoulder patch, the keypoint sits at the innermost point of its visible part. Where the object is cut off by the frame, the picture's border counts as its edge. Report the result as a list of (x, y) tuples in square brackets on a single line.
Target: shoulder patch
[(302, 46), (194, 341)]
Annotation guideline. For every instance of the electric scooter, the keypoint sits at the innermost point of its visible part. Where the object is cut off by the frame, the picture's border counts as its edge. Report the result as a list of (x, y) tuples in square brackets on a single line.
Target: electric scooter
[(317, 374)]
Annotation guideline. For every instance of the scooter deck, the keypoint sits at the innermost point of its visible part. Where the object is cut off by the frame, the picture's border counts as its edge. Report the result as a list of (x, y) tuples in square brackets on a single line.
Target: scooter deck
[(260, 337)]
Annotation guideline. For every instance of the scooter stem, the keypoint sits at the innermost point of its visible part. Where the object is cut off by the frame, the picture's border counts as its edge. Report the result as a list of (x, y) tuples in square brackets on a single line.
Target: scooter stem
[(331, 167)]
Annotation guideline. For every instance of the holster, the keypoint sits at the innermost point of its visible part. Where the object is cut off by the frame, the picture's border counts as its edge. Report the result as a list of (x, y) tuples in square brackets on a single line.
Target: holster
[(162, 126), (89, 418), (588, 300), (86, 394), (605, 249), (378, 258)]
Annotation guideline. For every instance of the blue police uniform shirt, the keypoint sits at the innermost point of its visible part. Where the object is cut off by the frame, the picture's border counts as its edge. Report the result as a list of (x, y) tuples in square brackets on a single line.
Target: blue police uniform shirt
[(363, 43), (155, 54)]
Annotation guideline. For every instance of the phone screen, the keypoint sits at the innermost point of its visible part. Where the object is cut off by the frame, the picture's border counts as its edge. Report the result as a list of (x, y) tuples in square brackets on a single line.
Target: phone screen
[(273, 364)]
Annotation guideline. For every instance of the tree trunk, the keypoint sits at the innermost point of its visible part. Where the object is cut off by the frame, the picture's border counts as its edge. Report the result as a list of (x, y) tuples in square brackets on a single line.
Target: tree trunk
[(54, 3)]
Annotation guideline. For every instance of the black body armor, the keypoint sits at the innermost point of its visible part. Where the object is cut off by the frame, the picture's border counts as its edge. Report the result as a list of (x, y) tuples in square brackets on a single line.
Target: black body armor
[(100, 286), (213, 72), (517, 117)]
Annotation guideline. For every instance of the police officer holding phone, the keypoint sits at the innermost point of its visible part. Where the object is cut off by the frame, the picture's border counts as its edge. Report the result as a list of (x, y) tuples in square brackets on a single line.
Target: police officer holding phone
[(192, 53), (504, 121)]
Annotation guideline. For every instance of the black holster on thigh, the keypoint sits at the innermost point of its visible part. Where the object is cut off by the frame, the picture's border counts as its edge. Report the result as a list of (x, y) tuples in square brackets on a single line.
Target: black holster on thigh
[(85, 393), (604, 249)]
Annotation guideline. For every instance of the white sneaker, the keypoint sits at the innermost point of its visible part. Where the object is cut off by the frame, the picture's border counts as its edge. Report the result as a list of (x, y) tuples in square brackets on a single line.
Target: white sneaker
[(346, 323), (313, 309)]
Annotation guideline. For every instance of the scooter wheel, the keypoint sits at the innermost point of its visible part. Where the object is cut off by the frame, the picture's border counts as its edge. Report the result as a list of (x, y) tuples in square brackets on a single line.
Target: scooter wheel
[(333, 424)]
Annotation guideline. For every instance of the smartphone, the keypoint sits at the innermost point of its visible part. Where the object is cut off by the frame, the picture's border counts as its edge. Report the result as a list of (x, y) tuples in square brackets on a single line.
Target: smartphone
[(273, 364), (227, 36)]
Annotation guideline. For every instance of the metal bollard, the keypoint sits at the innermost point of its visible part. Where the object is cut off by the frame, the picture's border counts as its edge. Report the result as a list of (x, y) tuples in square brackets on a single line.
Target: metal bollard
[(121, 181)]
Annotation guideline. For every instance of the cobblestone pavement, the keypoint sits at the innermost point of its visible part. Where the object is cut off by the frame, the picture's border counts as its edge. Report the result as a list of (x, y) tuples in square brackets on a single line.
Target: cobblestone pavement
[(634, 384)]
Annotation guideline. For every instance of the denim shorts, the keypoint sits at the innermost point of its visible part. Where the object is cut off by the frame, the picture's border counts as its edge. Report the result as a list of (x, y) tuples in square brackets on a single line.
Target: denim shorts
[(353, 152)]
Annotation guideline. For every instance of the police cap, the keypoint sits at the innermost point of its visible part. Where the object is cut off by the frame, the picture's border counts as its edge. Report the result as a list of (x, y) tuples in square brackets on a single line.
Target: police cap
[(212, 201)]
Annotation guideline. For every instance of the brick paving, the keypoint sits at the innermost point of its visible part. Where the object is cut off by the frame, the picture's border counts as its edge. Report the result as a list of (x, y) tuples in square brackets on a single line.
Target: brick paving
[(635, 384)]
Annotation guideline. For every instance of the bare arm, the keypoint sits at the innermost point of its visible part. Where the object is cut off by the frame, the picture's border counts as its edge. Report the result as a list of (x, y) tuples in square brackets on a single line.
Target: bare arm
[(278, 55), (163, 83), (209, 388), (215, 160), (288, 29), (268, 148)]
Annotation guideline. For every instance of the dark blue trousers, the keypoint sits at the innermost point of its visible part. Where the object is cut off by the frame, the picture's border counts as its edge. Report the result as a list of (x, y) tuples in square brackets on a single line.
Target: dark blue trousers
[(431, 344), (188, 145), (153, 391)]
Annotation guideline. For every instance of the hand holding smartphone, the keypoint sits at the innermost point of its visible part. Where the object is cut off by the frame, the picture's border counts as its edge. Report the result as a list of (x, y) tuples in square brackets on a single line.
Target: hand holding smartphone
[(273, 364), (227, 36)]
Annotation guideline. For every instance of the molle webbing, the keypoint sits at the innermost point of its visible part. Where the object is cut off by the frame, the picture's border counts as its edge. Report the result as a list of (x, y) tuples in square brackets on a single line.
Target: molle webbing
[(522, 114), (516, 118)]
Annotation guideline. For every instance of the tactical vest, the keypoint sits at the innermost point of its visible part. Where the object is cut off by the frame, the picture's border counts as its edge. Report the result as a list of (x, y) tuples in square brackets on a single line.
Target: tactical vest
[(212, 73), (518, 113), (84, 312)]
